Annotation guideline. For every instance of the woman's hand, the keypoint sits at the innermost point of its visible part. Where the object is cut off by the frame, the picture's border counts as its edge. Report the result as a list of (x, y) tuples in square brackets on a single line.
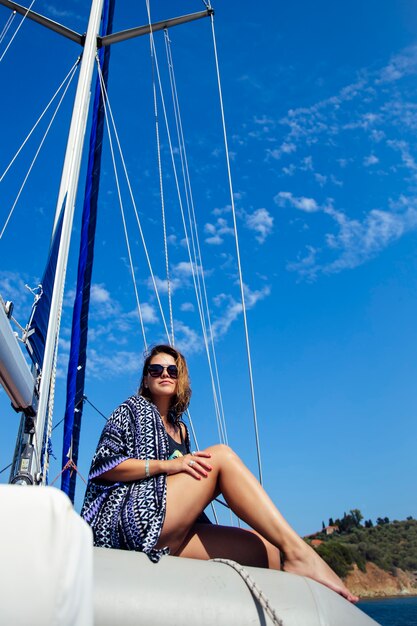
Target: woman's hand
[(193, 464)]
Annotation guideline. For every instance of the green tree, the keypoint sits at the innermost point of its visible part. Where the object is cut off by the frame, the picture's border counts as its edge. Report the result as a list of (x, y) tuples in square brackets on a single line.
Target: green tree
[(357, 517)]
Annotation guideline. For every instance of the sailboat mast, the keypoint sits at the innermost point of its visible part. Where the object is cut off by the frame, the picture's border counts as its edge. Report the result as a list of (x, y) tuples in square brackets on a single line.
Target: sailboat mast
[(66, 202)]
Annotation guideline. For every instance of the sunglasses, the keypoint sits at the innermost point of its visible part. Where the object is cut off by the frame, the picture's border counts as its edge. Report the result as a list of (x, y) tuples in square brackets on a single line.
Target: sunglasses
[(156, 370)]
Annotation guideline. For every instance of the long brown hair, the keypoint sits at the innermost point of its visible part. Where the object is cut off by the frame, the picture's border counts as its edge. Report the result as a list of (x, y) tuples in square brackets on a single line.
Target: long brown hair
[(181, 400)]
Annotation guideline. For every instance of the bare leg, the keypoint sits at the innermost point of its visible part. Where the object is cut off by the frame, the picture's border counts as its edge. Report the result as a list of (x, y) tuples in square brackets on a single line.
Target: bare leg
[(209, 541), (187, 497)]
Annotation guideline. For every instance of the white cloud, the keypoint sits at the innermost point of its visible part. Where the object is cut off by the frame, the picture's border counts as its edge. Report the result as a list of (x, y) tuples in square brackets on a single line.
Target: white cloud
[(187, 307), (64, 344), (13, 287), (370, 160), (103, 305), (406, 157), (187, 339), (320, 178), (216, 240), (400, 65), (99, 294), (264, 121), (162, 284), (305, 266), (262, 222), (102, 366), (185, 269), (148, 314), (60, 14), (217, 231), (284, 148), (233, 308), (308, 205), (356, 241), (226, 209)]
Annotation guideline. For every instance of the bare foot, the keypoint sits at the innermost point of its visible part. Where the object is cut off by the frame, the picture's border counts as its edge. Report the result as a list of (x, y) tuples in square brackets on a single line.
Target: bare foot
[(304, 561)]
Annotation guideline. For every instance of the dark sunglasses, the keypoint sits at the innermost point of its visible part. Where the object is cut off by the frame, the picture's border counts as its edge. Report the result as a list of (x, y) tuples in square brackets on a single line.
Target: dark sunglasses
[(156, 370)]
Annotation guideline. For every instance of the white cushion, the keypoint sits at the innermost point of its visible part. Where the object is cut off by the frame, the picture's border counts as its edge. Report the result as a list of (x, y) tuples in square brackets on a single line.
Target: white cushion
[(46, 572)]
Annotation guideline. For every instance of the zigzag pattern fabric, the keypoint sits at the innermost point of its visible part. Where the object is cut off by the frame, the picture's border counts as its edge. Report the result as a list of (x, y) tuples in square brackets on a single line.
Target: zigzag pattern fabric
[(129, 515)]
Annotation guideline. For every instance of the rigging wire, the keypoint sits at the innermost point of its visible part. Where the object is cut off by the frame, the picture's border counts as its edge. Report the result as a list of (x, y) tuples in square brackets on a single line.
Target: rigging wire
[(69, 77), (37, 153), (135, 208), (6, 29), (242, 289), (122, 209), (178, 191), (16, 31), (180, 202), (197, 259), (161, 189), (195, 241), (85, 399), (185, 228), (5, 468)]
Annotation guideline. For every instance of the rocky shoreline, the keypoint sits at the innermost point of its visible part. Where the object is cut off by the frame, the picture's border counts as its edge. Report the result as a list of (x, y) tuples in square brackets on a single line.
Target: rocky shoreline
[(377, 583)]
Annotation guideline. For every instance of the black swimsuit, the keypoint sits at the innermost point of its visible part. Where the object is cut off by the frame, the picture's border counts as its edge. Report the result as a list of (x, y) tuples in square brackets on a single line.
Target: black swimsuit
[(176, 449)]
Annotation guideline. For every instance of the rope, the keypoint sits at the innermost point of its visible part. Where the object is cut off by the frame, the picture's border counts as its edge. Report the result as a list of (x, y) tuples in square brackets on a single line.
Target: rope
[(7, 26), (256, 591), (5, 468), (242, 291), (50, 410), (71, 466), (135, 208), (16, 31), (161, 185), (195, 243), (72, 71), (132, 270), (36, 156), (85, 399)]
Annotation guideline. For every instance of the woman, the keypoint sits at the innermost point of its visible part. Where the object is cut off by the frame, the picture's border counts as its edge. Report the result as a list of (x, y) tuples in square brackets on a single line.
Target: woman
[(146, 491)]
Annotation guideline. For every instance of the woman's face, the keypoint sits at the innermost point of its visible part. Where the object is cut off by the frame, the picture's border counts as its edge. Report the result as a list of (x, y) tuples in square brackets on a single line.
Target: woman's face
[(162, 385)]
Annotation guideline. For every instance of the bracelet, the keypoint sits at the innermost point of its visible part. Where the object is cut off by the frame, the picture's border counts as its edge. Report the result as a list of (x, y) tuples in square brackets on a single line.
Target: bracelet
[(147, 472)]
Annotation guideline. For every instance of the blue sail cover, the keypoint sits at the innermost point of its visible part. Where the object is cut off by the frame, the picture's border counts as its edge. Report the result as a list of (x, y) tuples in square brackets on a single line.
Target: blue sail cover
[(78, 356), (38, 323)]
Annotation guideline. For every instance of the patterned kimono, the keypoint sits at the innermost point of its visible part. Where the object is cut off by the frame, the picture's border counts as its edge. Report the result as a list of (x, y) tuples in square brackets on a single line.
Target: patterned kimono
[(128, 515)]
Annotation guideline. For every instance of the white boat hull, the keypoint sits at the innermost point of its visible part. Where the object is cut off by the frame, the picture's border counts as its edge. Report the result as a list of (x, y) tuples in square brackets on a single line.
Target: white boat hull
[(131, 590)]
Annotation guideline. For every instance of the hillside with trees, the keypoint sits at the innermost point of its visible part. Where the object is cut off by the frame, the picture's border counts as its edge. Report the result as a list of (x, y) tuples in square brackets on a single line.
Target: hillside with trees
[(351, 544)]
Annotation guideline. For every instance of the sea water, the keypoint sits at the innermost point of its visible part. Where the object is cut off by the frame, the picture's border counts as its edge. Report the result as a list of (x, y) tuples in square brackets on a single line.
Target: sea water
[(392, 611)]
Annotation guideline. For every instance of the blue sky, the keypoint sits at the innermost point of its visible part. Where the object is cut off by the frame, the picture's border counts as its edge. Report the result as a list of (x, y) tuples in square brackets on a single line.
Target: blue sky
[(321, 109)]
